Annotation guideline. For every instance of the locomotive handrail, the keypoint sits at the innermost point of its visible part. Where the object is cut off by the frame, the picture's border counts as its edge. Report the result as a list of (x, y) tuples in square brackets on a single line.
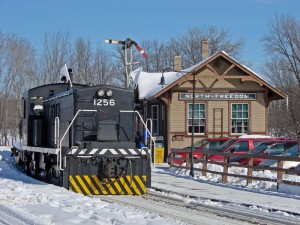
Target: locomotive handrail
[(80, 110), (151, 125), (133, 111), (93, 110), (56, 131), (56, 136)]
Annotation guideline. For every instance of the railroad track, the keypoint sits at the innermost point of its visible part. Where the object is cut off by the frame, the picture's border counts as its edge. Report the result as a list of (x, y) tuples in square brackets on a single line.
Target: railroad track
[(12, 217), (192, 211)]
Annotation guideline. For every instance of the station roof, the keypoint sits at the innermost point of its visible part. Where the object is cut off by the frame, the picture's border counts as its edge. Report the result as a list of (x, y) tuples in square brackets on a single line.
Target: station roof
[(149, 88)]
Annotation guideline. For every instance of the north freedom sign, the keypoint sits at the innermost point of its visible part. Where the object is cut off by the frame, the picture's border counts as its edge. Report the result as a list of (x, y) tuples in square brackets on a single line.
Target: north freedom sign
[(218, 96)]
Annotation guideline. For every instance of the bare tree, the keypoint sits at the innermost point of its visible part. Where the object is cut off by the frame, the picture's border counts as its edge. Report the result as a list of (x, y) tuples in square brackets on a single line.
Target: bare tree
[(188, 46), (283, 40), (103, 67), (17, 74), (158, 57), (2, 45), (282, 43), (82, 61), (280, 116), (120, 67), (55, 54)]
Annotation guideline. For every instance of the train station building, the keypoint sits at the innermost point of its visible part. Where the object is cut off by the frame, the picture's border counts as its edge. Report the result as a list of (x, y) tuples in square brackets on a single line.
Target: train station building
[(229, 100)]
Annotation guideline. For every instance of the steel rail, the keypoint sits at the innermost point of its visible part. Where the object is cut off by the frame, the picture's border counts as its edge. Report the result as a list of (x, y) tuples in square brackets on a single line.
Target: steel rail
[(193, 210)]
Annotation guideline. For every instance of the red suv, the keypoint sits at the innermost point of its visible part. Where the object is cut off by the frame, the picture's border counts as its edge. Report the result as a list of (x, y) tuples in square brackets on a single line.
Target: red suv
[(239, 145), (203, 144)]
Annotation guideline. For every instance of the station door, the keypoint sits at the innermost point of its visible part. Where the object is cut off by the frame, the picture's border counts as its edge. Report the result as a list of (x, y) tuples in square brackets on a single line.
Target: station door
[(218, 122)]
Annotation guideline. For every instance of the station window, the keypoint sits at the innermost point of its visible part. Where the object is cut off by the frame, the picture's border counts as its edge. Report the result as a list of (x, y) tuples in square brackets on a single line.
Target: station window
[(199, 118), (239, 118)]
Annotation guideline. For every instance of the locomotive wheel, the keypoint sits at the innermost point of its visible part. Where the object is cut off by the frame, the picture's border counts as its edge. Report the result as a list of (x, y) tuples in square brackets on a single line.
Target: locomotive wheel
[(27, 169), (17, 160), (51, 179), (23, 166), (31, 171)]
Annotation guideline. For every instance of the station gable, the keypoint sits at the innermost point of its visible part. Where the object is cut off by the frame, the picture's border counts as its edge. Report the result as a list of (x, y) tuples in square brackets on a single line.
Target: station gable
[(221, 72)]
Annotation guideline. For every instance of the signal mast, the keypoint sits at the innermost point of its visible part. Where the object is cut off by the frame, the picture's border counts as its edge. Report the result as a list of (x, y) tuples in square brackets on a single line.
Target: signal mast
[(128, 52)]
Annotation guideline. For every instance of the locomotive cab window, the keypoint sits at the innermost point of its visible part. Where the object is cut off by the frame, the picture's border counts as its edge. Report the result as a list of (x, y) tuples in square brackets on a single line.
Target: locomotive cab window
[(48, 114), (36, 106), (53, 111), (24, 108), (57, 110)]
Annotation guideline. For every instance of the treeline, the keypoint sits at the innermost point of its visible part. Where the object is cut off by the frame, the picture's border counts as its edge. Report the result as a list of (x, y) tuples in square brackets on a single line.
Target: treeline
[(282, 68), (23, 67)]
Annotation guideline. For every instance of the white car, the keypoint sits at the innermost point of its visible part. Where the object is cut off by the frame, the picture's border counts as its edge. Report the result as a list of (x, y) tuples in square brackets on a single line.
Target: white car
[(293, 151)]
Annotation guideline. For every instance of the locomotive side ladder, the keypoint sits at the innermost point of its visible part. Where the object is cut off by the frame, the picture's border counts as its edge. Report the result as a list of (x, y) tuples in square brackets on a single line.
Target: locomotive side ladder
[(58, 150)]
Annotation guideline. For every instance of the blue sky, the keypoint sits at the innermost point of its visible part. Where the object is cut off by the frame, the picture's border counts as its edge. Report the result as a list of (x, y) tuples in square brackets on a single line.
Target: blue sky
[(144, 19)]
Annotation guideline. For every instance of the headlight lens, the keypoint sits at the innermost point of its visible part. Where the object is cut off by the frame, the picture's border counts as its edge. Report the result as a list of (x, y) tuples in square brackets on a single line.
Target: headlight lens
[(100, 93), (109, 93)]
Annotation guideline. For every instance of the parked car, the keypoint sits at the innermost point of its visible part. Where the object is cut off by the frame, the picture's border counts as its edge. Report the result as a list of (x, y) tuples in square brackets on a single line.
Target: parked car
[(297, 167), (203, 144), (293, 151), (210, 145), (240, 145), (273, 147)]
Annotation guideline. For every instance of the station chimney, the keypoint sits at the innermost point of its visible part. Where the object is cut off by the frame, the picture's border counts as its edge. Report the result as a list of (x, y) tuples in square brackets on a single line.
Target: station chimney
[(177, 63), (204, 49)]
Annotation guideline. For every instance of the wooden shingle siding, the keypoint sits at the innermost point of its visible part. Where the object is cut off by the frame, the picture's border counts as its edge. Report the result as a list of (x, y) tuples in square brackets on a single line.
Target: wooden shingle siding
[(246, 86), (177, 117), (258, 115)]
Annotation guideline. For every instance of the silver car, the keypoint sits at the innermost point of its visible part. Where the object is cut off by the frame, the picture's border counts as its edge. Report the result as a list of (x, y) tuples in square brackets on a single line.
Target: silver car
[(293, 151)]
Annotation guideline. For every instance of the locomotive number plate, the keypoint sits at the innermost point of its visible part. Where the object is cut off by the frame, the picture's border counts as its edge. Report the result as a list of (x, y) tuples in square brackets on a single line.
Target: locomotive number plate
[(104, 102)]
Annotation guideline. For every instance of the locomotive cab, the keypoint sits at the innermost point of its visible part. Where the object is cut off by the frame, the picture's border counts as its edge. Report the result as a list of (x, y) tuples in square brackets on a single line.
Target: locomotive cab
[(83, 139)]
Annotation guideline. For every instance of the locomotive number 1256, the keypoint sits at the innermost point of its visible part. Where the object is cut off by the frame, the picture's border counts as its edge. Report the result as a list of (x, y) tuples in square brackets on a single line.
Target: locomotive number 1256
[(104, 102)]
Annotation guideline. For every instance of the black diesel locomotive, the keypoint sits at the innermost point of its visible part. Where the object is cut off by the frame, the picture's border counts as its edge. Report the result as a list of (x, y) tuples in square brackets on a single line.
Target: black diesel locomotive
[(82, 138)]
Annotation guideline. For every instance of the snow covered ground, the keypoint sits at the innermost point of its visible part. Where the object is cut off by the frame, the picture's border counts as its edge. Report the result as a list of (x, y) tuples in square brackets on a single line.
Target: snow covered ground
[(260, 196), (35, 202), (240, 182), (23, 199)]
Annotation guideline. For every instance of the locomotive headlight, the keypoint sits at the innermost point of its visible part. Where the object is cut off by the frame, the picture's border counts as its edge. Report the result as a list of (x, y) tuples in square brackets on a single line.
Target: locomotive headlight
[(100, 93), (109, 93)]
